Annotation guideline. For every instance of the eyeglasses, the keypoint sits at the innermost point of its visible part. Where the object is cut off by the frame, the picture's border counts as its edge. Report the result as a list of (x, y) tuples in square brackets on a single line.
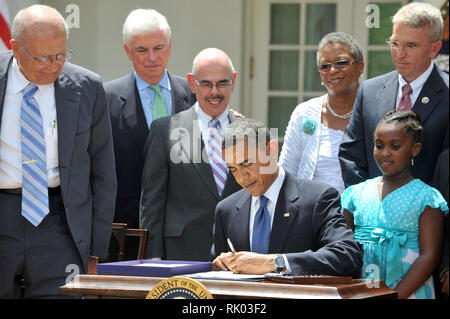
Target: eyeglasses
[(339, 65), (45, 61), (207, 85), (395, 45)]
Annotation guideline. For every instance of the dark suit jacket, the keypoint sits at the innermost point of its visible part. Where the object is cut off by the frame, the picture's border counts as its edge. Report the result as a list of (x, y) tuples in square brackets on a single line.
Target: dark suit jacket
[(441, 182), (314, 235), (130, 132), (179, 193), (375, 98), (86, 157)]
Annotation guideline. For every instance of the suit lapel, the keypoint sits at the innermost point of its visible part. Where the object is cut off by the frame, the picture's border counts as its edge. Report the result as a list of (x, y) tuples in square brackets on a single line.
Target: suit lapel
[(4, 67), (67, 101), (285, 214), (431, 94), (194, 151), (133, 114), (178, 102), (387, 96), (241, 223)]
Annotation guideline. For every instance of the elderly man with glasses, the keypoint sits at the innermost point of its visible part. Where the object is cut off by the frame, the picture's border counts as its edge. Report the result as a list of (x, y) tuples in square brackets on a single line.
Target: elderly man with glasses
[(57, 174), (184, 174)]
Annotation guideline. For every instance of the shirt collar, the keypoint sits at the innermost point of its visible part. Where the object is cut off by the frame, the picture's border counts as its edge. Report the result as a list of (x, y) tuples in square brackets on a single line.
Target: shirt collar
[(274, 189), (19, 81), (418, 83), (163, 83), (205, 118)]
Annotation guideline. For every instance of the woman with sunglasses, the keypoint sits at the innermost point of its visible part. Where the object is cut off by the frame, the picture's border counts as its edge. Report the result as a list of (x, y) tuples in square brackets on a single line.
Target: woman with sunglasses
[(316, 127)]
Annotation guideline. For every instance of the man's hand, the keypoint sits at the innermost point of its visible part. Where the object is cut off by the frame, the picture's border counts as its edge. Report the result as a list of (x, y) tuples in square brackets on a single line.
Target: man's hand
[(444, 281), (237, 114), (245, 262)]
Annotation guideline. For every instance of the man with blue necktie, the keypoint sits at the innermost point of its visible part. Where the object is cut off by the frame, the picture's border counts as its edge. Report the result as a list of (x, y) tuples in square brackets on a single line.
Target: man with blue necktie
[(135, 100), (57, 181), (278, 222)]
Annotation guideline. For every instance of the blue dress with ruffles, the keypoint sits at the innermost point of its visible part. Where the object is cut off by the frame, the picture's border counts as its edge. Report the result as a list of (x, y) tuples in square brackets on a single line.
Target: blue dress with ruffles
[(389, 229)]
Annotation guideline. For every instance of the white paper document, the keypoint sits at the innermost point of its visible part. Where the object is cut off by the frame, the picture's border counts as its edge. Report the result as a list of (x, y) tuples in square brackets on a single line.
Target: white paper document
[(225, 275)]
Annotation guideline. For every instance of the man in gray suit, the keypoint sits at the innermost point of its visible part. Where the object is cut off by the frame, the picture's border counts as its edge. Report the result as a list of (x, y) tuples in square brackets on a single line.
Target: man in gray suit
[(415, 41), (57, 181), (148, 44), (183, 179)]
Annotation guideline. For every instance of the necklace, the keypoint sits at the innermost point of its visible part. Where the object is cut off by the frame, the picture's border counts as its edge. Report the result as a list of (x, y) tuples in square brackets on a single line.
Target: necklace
[(345, 116)]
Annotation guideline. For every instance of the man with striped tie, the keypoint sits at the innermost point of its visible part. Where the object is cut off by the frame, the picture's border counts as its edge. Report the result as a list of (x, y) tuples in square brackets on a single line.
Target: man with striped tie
[(57, 174), (184, 174)]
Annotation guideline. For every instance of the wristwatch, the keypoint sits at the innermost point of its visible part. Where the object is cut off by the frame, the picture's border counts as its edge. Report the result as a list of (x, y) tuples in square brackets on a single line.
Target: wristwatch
[(280, 264)]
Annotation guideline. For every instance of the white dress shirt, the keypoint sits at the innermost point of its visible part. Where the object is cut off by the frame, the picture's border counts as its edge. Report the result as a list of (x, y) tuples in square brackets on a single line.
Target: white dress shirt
[(416, 85), (204, 119), (10, 132), (147, 95), (272, 195)]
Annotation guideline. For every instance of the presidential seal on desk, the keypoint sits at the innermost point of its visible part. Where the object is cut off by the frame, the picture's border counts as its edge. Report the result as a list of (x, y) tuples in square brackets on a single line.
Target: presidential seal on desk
[(179, 288)]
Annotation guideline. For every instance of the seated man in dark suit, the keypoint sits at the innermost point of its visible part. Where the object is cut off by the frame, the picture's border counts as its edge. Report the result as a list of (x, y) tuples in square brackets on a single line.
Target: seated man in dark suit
[(278, 222)]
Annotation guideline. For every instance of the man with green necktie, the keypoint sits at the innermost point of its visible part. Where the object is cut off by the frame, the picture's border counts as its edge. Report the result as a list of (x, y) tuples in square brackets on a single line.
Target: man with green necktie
[(135, 100)]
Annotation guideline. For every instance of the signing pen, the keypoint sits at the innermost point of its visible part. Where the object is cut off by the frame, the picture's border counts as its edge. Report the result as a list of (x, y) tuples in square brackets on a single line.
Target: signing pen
[(231, 246)]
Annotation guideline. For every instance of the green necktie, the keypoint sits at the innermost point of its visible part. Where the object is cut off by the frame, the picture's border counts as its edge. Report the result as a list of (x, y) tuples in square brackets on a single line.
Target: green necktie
[(159, 106)]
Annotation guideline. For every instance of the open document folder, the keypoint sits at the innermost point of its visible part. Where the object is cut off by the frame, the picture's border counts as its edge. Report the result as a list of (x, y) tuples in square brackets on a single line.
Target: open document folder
[(225, 275)]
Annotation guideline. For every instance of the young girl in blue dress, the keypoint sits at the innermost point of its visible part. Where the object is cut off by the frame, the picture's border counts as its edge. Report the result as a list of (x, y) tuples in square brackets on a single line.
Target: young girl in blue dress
[(398, 219)]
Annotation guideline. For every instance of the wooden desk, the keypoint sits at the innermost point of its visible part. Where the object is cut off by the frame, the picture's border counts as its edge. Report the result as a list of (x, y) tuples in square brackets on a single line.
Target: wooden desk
[(107, 286)]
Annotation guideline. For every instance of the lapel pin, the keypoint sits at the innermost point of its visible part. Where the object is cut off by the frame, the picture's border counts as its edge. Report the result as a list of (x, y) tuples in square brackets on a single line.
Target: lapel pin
[(286, 214), (425, 100)]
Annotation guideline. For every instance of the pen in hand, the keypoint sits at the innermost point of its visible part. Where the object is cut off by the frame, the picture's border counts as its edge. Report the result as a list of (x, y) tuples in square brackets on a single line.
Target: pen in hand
[(233, 252), (230, 244)]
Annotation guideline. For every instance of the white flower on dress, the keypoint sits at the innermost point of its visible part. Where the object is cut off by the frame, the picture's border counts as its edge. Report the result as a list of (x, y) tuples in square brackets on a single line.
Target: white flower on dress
[(410, 257)]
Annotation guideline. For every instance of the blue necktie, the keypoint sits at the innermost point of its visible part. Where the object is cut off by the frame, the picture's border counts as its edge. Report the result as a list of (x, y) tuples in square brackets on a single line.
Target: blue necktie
[(261, 228), (34, 163), (216, 161)]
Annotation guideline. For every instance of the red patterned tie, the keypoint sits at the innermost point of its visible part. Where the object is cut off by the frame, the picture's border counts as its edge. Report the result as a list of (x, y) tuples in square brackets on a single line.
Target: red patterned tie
[(405, 101)]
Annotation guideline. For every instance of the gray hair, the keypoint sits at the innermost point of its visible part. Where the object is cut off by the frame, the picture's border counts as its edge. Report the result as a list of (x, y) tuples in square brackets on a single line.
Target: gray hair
[(245, 129), (144, 21), (344, 38), (417, 15), (21, 23)]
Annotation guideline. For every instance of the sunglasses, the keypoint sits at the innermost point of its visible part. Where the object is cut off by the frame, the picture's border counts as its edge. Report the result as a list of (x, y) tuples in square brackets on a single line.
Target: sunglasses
[(339, 65)]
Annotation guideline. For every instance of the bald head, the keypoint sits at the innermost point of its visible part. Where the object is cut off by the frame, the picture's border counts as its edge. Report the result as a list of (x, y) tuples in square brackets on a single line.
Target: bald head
[(38, 21), (39, 32), (211, 56), (212, 80)]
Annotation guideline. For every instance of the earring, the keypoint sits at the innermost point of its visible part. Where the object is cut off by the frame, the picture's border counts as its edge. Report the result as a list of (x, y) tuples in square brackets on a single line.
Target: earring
[(412, 161)]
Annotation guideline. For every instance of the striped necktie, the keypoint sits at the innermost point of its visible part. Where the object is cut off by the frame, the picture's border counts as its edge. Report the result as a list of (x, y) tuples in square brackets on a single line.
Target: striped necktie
[(159, 106), (218, 166), (34, 163), (261, 228)]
